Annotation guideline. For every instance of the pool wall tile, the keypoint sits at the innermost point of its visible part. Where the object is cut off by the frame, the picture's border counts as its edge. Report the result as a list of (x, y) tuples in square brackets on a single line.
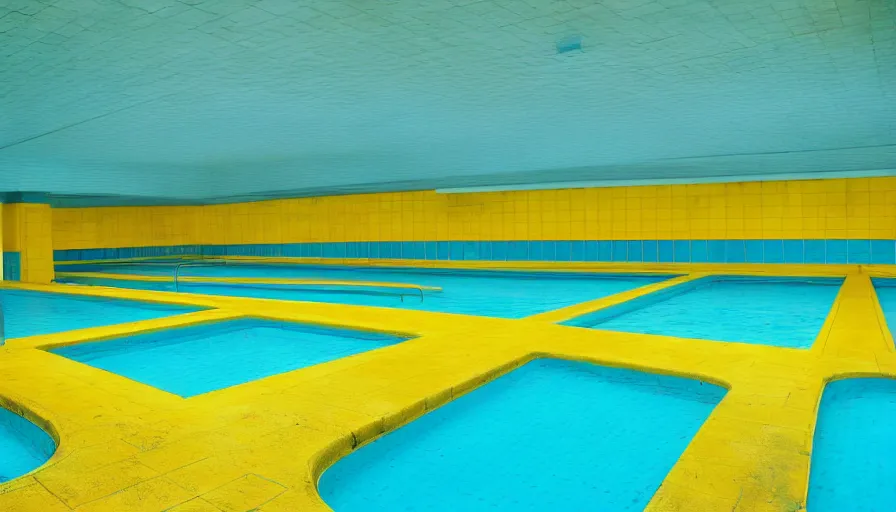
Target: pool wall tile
[(883, 252), (604, 250), (549, 251), (858, 251), (591, 250), (518, 251), (793, 251), (773, 251), (681, 251), (457, 250), (835, 251), (635, 251), (699, 252), (563, 251), (620, 250), (471, 251), (577, 250), (499, 251), (649, 250), (735, 251), (814, 251), (536, 251), (753, 250), (665, 251), (716, 251)]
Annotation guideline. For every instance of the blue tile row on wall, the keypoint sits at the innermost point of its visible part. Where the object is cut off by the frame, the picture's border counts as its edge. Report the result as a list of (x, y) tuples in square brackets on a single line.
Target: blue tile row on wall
[(126, 252), (12, 266), (659, 251)]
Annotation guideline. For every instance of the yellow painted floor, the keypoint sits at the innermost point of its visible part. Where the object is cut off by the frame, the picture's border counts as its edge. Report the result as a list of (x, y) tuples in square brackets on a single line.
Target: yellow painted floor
[(127, 446)]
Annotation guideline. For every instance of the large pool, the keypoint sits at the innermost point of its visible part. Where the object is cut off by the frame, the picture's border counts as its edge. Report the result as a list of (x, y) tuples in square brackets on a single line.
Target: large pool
[(506, 294), (783, 312), (853, 467), (197, 359), (29, 313), (551, 435), (23, 445)]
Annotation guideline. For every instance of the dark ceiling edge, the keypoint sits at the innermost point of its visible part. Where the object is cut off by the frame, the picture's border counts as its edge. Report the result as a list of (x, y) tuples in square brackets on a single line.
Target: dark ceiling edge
[(572, 178)]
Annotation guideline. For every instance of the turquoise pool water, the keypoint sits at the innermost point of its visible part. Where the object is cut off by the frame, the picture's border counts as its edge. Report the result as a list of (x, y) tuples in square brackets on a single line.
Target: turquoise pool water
[(30, 313), (23, 445), (486, 293), (853, 467), (783, 312), (193, 360), (886, 296), (551, 435)]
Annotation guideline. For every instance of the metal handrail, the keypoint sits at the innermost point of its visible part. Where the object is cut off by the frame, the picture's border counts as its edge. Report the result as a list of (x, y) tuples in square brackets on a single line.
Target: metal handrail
[(200, 263), (192, 264), (419, 288), (2, 327)]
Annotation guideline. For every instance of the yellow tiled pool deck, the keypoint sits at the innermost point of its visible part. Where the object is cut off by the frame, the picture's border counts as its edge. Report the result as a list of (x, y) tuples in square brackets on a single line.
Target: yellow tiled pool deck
[(262, 445)]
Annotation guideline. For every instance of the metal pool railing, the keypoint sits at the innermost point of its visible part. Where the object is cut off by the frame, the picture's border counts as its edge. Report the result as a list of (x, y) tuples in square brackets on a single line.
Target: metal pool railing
[(291, 282), (2, 326), (197, 263)]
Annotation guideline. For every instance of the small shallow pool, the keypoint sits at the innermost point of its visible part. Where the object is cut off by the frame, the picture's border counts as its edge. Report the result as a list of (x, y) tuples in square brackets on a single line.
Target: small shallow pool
[(886, 296), (853, 467), (551, 435), (23, 445), (193, 360), (29, 313), (506, 294), (782, 312)]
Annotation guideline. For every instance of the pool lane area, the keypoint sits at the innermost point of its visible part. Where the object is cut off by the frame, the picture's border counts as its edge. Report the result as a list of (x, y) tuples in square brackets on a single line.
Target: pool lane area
[(853, 467), (781, 312), (23, 445), (502, 406), (551, 435), (198, 359), (33, 313), (504, 294)]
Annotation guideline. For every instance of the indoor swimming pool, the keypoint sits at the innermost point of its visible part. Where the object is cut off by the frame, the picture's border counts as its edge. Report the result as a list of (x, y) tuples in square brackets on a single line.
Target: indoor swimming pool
[(852, 455), (29, 313), (198, 359), (23, 445), (506, 294), (550, 435), (782, 312)]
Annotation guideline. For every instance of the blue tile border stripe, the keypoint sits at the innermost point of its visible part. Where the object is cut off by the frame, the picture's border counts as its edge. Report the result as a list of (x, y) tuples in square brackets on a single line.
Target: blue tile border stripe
[(630, 251), (12, 266)]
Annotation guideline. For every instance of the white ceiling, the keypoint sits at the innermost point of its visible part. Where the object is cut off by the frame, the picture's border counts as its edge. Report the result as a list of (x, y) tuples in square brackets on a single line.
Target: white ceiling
[(200, 99)]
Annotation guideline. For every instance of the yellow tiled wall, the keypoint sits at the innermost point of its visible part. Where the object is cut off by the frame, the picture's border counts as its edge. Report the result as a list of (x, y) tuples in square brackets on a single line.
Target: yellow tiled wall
[(858, 208), (27, 229)]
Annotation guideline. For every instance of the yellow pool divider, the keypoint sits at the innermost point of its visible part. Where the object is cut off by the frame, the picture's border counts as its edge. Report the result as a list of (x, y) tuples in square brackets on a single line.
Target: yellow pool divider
[(261, 445)]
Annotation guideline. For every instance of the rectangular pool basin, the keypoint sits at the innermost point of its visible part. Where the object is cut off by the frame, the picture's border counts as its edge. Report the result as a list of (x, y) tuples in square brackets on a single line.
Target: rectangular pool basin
[(853, 467), (550, 435), (505, 294), (192, 360), (782, 312), (29, 313)]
